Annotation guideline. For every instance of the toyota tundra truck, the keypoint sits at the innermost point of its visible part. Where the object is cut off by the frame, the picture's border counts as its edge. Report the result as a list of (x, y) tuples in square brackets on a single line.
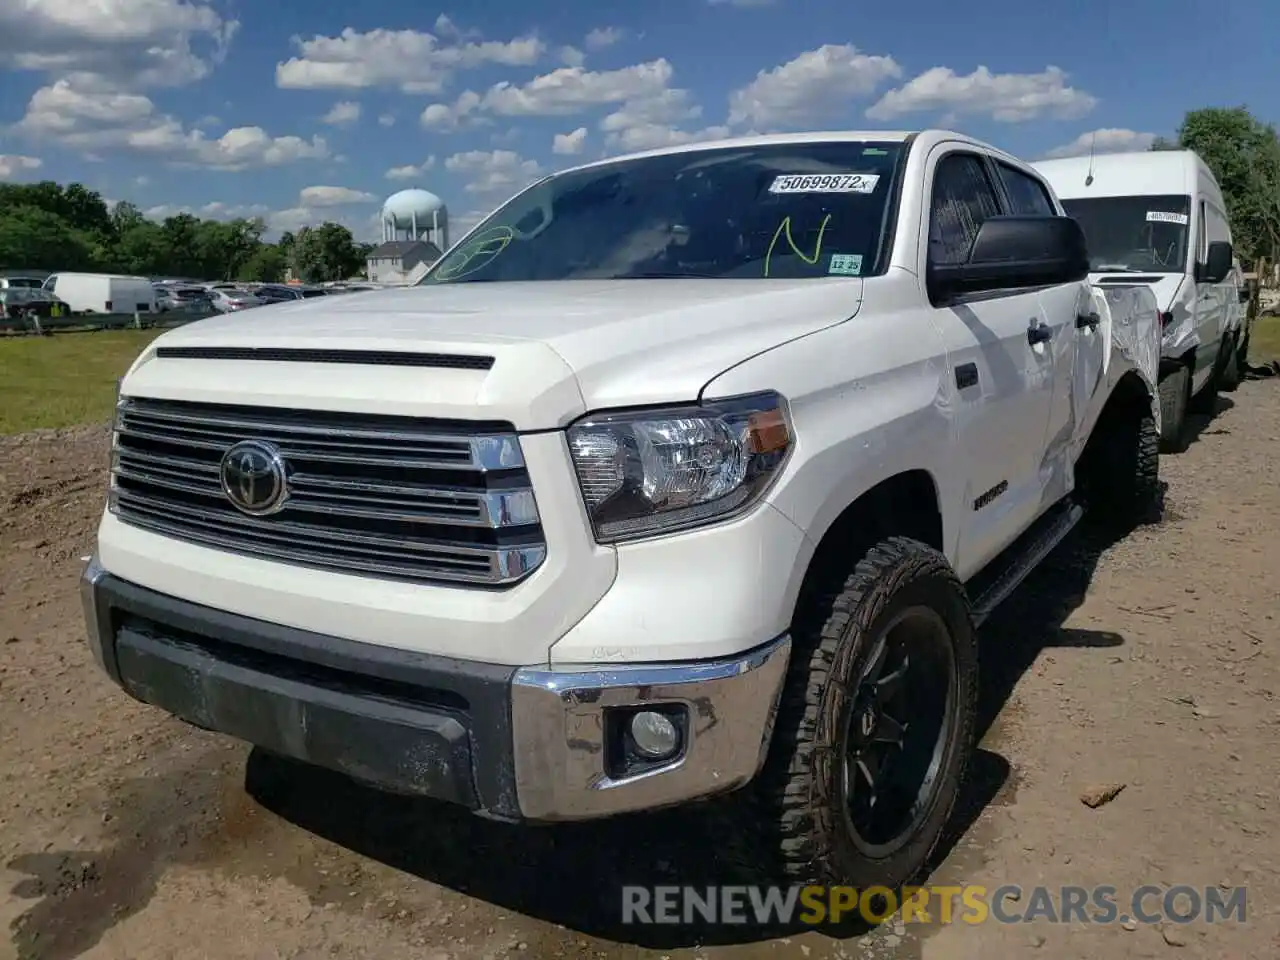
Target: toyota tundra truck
[(682, 474)]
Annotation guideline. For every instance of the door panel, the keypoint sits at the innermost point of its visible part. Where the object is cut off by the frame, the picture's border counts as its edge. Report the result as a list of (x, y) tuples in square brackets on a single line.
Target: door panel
[(1001, 414)]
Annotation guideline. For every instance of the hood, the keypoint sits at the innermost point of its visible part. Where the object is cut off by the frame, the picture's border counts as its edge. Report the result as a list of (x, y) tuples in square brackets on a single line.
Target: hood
[(1164, 286), (559, 349)]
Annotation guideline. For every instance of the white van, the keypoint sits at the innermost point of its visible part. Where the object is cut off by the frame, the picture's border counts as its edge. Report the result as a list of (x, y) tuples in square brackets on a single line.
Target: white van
[(1158, 217), (103, 292)]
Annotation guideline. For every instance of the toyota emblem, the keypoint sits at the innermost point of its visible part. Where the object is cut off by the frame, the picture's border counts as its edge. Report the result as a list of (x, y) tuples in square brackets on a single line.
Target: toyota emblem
[(254, 478)]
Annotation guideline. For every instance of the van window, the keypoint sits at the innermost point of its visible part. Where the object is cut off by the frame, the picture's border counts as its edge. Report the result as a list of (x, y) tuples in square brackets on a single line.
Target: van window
[(1027, 196), (51, 284), (1140, 234)]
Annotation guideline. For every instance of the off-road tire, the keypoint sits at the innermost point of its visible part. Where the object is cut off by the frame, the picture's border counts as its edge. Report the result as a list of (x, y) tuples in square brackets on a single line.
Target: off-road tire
[(796, 822), (1118, 476), (1233, 371), (1175, 399)]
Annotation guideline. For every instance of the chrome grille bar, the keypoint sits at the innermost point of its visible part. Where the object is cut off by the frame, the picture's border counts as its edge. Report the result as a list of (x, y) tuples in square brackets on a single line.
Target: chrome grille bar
[(383, 496)]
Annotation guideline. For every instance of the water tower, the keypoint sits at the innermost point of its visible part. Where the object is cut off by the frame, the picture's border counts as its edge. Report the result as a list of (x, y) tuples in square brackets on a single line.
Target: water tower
[(416, 215)]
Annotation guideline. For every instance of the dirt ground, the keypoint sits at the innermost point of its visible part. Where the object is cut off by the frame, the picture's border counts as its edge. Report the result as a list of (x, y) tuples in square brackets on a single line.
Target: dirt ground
[(1153, 663)]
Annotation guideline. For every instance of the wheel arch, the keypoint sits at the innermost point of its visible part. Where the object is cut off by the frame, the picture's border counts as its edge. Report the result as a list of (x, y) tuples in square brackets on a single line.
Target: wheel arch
[(908, 503)]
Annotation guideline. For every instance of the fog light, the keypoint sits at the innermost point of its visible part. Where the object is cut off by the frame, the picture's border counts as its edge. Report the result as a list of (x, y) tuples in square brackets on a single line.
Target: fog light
[(654, 735)]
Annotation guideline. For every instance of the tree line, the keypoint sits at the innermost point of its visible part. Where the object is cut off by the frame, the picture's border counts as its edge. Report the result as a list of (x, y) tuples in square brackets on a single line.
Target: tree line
[(1244, 154), (47, 227)]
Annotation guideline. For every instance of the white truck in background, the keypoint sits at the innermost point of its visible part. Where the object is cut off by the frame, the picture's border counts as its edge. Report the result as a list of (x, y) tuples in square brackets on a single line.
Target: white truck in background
[(683, 473), (103, 292), (1158, 217)]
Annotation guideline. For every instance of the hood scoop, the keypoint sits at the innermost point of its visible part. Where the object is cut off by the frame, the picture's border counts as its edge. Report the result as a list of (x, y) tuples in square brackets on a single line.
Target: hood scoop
[(383, 358)]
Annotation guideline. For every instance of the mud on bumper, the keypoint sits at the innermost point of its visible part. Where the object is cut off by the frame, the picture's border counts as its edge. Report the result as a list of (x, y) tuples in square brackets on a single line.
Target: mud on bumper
[(508, 743)]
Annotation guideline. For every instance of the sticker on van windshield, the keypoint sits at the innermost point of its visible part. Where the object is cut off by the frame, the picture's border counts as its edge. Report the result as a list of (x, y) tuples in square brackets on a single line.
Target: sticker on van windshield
[(845, 264), (825, 183), (1159, 216)]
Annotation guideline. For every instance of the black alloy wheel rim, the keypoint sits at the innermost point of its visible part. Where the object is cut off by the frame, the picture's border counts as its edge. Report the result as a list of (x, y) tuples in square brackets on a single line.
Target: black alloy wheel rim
[(898, 728)]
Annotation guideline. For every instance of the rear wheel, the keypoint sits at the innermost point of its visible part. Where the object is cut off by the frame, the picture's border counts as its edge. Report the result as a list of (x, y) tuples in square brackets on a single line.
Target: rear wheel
[(876, 724), (1175, 399), (1233, 371), (1119, 472)]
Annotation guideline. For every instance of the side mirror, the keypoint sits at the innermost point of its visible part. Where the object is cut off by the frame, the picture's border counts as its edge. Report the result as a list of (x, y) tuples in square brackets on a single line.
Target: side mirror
[(1217, 263), (1013, 253)]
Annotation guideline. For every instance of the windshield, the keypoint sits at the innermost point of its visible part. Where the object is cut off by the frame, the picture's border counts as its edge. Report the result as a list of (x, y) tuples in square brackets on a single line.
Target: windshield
[(778, 211), (1134, 234)]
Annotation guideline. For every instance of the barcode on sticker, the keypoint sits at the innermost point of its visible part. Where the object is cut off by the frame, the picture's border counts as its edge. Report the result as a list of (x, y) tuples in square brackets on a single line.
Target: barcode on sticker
[(825, 183), (1159, 216)]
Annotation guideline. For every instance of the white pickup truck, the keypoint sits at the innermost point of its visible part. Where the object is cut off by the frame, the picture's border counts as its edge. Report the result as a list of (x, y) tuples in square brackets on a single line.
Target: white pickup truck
[(682, 473)]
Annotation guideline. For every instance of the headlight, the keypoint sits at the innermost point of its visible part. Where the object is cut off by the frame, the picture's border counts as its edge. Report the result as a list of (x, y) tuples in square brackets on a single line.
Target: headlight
[(655, 471)]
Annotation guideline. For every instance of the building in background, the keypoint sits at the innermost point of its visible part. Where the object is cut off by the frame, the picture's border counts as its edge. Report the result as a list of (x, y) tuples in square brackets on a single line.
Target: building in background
[(401, 261), (415, 231)]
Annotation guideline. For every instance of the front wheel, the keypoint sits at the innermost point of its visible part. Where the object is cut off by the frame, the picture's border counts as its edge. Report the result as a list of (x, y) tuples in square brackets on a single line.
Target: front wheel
[(1175, 399), (876, 723)]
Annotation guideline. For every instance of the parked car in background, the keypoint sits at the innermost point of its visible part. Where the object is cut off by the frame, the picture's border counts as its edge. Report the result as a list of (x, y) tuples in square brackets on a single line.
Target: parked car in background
[(180, 298), (278, 292), (28, 283), (1158, 218), (103, 292), (23, 303), (229, 300)]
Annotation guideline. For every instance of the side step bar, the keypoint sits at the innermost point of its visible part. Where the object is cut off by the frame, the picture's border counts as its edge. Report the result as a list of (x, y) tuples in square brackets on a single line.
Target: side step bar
[(988, 591)]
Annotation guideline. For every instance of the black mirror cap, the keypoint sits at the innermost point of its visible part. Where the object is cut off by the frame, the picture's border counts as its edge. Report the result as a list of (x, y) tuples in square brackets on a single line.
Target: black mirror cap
[(1217, 264), (1015, 252)]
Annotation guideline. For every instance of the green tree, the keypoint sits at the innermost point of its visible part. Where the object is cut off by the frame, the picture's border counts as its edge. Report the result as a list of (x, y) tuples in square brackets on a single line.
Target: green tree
[(326, 252), (267, 265), (1244, 155)]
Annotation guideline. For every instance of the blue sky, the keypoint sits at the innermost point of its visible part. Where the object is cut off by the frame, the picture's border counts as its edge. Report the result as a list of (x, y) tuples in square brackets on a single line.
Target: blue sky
[(300, 112)]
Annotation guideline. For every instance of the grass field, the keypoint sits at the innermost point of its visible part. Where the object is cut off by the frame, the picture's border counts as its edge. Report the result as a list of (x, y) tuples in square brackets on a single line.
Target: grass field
[(70, 378), (64, 379), (1264, 342)]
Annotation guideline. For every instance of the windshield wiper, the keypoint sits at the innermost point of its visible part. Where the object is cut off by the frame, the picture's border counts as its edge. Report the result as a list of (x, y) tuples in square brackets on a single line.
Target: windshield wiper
[(1117, 268)]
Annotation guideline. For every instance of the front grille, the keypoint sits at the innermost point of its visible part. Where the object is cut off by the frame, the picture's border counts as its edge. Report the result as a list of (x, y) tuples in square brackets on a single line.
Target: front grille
[(389, 497)]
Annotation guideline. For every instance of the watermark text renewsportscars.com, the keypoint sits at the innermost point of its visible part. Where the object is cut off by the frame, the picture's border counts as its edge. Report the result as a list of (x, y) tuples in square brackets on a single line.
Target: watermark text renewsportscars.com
[(938, 904)]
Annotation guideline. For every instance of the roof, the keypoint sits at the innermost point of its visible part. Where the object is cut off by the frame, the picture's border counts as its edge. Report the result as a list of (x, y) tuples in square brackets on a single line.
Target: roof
[(396, 249), (1136, 173)]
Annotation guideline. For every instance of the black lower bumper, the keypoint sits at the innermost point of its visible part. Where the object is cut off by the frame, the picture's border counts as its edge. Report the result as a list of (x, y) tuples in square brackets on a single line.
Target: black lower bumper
[(406, 722)]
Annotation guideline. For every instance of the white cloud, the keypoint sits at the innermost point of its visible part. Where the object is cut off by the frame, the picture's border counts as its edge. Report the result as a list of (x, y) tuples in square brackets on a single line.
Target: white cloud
[(655, 136), (13, 164), (495, 173), (1105, 140), (571, 90), (209, 211), (79, 112), (442, 117), (342, 113), (130, 42), (814, 86), (413, 60), (332, 196), (569, 144), (1007, 97), (602, 37), (410, 171), (387, 120), (571, 56)]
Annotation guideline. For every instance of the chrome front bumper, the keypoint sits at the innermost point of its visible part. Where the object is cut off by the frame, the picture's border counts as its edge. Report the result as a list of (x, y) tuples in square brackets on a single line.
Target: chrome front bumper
[(507, 743)]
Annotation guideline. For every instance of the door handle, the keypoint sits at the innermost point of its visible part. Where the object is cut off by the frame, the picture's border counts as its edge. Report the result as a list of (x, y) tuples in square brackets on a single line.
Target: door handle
[(1090, 320), (1039, 333)]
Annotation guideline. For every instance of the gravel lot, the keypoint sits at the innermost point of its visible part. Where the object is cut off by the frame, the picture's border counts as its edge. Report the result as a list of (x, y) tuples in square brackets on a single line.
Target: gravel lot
[(1152, 663)]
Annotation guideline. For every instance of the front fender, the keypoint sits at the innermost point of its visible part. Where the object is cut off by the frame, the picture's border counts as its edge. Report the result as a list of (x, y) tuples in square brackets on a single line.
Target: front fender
[(868, 401)]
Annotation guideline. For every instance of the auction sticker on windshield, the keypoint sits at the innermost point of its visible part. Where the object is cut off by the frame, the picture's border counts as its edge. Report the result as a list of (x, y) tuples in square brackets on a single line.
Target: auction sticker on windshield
[(1159, 216), (825, 183)]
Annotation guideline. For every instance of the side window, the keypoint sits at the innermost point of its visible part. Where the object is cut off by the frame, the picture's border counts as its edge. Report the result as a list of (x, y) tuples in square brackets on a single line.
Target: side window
[(52, 283), (1027, 195), (963, 198)]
